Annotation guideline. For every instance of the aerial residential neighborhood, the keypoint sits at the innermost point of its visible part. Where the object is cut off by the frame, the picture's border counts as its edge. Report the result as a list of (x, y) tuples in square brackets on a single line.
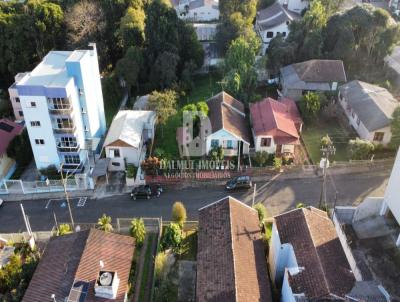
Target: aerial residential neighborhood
[(199, 150)]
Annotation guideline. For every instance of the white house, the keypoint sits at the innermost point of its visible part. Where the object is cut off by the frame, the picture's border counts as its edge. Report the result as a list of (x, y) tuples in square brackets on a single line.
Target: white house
[(305, 250), (296, 6), (271, 21), (276, 126), (197, 10), (127, 138), (369, 109)]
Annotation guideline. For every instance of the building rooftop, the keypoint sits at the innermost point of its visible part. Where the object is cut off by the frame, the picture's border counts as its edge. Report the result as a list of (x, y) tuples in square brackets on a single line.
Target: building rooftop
[(274, 15), (225, 112), (231, 263), (77, 256), (325, 271), (8, 130), (52, 72), (373, 105), (127, 127), (276, 118)]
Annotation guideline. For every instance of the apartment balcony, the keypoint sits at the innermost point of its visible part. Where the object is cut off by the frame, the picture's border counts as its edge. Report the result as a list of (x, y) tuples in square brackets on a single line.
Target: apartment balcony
[(66, 129), (60, 111), (68, 148), (60, 106)]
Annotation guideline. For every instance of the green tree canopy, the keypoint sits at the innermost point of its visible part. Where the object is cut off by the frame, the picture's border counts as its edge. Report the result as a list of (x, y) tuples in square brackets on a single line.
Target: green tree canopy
[(360, 149), (138, 230), (310, 105), (179, 213), (164, 104), (131, 28), (104, 223), (172, 237)]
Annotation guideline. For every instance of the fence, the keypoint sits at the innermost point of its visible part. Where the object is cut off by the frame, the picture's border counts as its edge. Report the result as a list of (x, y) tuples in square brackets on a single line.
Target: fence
[(24, 236), (79, 182)]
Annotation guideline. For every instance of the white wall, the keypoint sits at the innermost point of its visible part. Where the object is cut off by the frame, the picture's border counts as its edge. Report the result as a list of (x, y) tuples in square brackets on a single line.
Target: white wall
[(371, 206), (221, 135), (277, 29), (392, 196), (204, 13), (295, 5), (129, 154), (16, 105), (286, 291), (258, 147)]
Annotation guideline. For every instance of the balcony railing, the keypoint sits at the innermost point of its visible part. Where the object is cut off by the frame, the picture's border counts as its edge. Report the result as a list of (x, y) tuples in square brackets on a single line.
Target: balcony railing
[(57, 111), (62, 147), (67, 129), (60, 107)]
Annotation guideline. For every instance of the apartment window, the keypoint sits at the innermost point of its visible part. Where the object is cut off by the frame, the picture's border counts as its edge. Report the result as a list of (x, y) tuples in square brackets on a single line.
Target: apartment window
[(68, 141), (72, 159), (265, 142), (64, 123), (32, 104), (17, 100), (229, 144), (378, 136), (270, 34), (21, 113), (214, 143), (197, 145), (39, 141), (60, 103), (35, 123)]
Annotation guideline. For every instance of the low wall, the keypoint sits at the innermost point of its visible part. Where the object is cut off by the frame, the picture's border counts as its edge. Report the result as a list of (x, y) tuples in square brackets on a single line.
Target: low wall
[(371, 206)]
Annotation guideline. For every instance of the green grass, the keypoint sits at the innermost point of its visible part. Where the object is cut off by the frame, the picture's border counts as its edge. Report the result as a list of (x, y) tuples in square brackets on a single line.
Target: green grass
[(205, 86), (166, 136), (312, 133), (146, 272)]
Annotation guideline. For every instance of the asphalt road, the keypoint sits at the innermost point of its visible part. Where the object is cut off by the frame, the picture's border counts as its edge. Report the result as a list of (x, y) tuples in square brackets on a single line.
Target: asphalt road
[(278, 196)]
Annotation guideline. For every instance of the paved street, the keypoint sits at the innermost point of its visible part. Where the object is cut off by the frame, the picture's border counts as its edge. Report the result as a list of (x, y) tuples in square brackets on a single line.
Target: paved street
[(278, 196)]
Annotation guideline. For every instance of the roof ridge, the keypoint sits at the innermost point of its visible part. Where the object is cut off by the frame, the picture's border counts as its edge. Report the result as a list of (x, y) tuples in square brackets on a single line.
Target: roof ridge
[(232, 248)]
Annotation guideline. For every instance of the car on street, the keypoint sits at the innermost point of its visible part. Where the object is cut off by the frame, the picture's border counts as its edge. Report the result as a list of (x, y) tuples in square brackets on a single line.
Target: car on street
[(146, 191), (238, 183)]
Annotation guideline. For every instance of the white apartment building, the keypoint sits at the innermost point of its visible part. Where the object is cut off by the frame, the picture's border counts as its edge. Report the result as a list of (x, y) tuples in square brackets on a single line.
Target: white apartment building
[(62, 104)]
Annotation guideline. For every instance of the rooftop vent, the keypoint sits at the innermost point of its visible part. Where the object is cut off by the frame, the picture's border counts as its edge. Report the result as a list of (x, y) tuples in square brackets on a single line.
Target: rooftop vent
[(106, 285)]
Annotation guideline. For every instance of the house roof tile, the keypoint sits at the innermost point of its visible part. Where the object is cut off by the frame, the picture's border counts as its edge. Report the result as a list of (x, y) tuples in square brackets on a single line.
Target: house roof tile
[(8, 130)]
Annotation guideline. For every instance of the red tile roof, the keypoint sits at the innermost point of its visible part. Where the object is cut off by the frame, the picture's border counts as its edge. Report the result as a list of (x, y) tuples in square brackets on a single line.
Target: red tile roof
[(77, 257), (225, 112), (231, 263), (7, 136), (318, 250), (276, 119)]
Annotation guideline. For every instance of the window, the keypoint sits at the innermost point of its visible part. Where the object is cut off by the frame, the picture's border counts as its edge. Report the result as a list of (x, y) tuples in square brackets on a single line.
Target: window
[(214, 143), (39, 141), (378, 136), (284, 33), (35, 123), (270, 34), (197, 145), (64, 123), (265, 142), (60, 103), (114, 153), (17, 100), (32, 104), (68, 141), (21, 114), (72, 159), (116, 164), (229, 144)]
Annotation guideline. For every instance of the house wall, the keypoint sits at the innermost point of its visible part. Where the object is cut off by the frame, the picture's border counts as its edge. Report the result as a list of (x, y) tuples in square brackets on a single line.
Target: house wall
[(17, 109), (371, 206), (281, 28), (286, 291), (294, 94), (295, 5), (391, 196), (359, 126), (6, 164), (223, 136), (257, 144), (204, 13), (129, 155)]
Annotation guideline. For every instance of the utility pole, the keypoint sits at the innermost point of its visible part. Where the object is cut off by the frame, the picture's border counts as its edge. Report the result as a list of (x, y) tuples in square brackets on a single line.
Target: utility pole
[(326, 152), (254, 194), (64, 181)]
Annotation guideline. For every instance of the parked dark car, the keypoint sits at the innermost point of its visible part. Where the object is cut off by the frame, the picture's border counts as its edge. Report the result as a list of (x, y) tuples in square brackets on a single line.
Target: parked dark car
[(146, 191), (238, 183)]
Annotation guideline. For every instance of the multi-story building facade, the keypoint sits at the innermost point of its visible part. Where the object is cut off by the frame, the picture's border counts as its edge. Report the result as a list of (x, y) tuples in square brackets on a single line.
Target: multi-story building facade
[(62, 104), (14, 98)]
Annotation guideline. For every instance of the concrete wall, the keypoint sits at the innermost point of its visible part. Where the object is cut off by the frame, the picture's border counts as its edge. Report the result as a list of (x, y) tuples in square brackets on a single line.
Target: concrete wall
[(286, 291), (371, 206), (6, 164), (295, 5), (129, 155), (347, 249), (203, 13), (392, 197)]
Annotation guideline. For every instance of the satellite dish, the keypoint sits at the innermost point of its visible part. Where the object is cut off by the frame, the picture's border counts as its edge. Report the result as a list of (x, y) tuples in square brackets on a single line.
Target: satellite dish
[(106, 279)]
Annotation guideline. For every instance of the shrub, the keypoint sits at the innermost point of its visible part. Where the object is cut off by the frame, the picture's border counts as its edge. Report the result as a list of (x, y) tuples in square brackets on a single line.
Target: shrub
[(360, 149), (277, 163), (138, 230), (172, 237), (300, 205), (131, 171), (326, 141), (179, 213), (261, 158), (64, 229), (159, 152), (51, 172), (104, 223), (217, 153), (261, 211), (160, 266)]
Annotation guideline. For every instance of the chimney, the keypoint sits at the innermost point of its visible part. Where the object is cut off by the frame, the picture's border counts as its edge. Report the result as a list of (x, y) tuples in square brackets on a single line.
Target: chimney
[(106, 285)]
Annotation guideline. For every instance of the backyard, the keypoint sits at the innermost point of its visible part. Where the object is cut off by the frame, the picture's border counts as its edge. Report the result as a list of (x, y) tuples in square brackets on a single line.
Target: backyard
[(205, 86), (315, 130)]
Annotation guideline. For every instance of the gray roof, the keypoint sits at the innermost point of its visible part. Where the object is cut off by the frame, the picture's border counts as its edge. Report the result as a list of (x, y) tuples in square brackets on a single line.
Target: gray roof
[(373, 105), (272, 16), (313, 74), (367, 291)]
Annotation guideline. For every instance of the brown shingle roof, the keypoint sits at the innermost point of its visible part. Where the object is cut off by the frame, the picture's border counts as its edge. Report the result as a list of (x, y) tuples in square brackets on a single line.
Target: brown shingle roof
[(231, 263), (77, 257), (225, 112), (318, 250), (321, 71)]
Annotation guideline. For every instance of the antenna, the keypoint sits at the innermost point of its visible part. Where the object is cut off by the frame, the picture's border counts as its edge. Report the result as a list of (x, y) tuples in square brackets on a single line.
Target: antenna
[(53, 297)]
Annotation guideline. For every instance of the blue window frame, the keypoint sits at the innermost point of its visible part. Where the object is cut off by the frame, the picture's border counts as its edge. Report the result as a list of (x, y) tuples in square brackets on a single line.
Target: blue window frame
[(229, 144), (214, 143)]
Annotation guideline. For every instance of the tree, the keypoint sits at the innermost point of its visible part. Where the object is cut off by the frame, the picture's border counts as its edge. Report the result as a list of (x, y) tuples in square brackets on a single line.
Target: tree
[(395, 128), (64, 229), (261, 158), (247, 8), (310, 105), (20, 149), (172, 237), (164, 71), (262, 213), (129, 67), (164, 104), (104, 223), (131, 28), (360, 149), (239, 66), (326, 141), (217, 153), (138, 230), (179, 213)]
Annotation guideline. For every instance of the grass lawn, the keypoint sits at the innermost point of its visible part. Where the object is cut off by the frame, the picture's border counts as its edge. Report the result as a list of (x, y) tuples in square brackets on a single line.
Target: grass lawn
[(205, 86), (312, 133)]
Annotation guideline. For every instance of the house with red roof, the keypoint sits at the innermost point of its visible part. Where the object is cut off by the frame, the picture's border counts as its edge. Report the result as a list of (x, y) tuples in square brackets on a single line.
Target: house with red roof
[(276, 126), (8, 130)]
